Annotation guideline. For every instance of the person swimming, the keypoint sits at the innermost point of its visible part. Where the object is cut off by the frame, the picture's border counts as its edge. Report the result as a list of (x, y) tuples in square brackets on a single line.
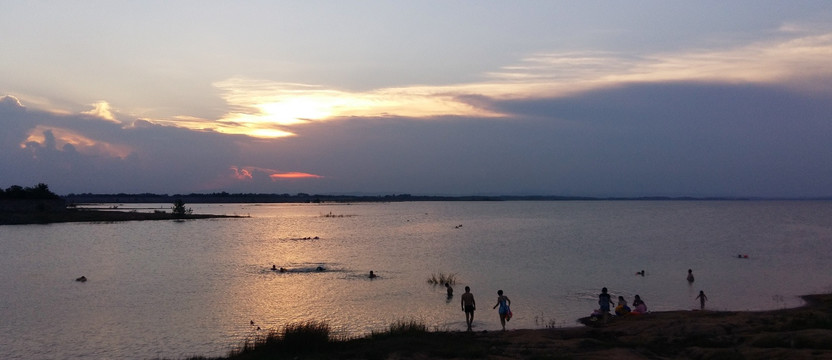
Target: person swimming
[(640, 272), (373, 275)]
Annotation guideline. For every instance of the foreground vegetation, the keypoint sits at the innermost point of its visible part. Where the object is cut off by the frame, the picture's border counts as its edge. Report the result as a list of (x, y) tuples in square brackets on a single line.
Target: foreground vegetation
[(801, 333)]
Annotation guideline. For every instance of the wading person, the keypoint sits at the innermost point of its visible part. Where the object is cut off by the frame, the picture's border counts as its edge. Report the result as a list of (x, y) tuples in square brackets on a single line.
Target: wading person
[(468, 306), (702, 298), (503, 302)]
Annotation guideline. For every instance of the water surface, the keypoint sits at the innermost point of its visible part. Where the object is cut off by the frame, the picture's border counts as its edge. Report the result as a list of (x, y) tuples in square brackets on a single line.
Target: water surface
[(175, 289)]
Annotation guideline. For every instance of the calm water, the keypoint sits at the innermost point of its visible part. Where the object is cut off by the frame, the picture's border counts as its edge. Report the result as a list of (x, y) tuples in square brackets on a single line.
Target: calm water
[(177, 289)]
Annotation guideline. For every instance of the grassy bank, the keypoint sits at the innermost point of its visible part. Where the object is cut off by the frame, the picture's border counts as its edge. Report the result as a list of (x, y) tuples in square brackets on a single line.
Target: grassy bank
[(800, 333)]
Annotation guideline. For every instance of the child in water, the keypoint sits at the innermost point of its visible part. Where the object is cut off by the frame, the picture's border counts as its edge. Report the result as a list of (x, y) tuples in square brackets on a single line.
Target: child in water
[(702, 298)]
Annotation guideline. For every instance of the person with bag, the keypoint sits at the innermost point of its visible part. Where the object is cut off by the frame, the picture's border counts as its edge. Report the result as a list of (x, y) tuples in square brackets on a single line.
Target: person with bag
[(505, 311)]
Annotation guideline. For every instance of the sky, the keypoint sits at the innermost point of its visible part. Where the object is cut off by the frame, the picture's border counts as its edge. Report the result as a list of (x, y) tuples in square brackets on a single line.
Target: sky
[(576, 98)]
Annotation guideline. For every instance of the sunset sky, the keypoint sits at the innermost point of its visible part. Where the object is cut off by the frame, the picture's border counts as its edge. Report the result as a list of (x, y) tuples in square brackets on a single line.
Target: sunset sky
[(590, 98)]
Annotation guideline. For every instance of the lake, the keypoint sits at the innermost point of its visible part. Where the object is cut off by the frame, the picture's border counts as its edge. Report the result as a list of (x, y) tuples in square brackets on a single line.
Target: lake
[(167, 289)]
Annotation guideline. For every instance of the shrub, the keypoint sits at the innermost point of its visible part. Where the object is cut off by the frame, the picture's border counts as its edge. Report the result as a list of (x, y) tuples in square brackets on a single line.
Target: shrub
[(442, 278)]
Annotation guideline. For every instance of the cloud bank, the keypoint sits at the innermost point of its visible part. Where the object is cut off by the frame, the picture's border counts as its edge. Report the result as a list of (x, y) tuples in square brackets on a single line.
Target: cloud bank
[(752, 120)]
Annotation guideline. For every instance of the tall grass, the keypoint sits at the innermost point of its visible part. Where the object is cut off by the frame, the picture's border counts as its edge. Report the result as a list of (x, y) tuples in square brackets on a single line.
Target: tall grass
[(294, 338), (442, 279), (402, 327)]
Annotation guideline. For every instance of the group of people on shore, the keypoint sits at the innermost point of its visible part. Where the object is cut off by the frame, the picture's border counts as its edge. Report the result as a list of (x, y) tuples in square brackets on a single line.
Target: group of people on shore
[(605, 302), (469, 305)]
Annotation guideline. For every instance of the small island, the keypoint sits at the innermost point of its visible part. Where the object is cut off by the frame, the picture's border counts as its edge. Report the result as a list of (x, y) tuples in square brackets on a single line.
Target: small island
[(38, 205)]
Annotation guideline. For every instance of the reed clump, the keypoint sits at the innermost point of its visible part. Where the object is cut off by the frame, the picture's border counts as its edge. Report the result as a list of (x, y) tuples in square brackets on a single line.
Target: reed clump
[(402, 328), (442, 279), (296, 338)]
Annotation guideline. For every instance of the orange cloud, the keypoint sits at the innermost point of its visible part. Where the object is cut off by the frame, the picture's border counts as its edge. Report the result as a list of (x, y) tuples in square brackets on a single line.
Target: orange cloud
[(241, 174), (294, 175), (245, 173), (81, 143)]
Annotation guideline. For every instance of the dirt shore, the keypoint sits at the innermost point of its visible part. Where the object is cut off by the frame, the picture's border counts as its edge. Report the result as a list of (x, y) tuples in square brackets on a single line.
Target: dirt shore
[(799, 333)]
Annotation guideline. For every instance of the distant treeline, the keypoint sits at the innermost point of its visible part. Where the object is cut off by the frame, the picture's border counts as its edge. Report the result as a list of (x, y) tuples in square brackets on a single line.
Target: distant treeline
[(38, 192), (224, 197)]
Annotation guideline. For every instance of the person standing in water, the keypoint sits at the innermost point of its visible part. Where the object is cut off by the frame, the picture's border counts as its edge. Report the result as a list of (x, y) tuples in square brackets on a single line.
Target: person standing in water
[(702, 298), (690, 275), (468, 306), (503, 302), (450, 290), (605, 302)]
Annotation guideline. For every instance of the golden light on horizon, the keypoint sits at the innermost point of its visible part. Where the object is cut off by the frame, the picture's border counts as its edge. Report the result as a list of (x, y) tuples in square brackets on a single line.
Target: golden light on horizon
[(294, 175), (270, 109)]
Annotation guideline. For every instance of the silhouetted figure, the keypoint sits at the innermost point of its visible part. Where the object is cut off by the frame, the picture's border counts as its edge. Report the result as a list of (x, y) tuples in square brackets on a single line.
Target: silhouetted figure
[(468, 306), (639, 307), (274, 267), (450, 290), (690, 275), (640, 272), (319, 268), (503, 302), (81, 279), (622, 308), (373, 275), (702, 298), (605, 302)]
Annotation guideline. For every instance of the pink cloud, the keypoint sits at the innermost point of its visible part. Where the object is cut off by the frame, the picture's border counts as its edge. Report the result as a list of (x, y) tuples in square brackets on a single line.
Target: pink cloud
[(241, 174), (293, 175), (245, 173)]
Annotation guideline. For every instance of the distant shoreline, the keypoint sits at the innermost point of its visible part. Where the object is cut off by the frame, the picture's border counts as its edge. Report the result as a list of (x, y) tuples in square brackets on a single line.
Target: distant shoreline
[(226, 198), (79, 215)]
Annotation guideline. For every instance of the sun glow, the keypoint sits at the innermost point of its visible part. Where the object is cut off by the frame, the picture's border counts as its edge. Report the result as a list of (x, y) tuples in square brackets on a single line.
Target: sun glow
[(270, 109)]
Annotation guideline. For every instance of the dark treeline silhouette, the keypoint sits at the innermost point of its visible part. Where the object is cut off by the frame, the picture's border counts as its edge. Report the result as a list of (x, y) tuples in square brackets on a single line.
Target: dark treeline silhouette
[(38, 192), (224, 197)]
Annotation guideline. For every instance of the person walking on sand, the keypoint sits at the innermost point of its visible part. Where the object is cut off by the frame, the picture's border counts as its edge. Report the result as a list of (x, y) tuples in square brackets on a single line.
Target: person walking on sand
[(702, 298), (503, 302), (468, 306), (690, 275)]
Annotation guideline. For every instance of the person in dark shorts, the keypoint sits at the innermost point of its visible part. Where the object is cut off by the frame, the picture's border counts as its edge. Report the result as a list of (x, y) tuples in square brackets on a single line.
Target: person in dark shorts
[(468, 305), (605, 302)]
